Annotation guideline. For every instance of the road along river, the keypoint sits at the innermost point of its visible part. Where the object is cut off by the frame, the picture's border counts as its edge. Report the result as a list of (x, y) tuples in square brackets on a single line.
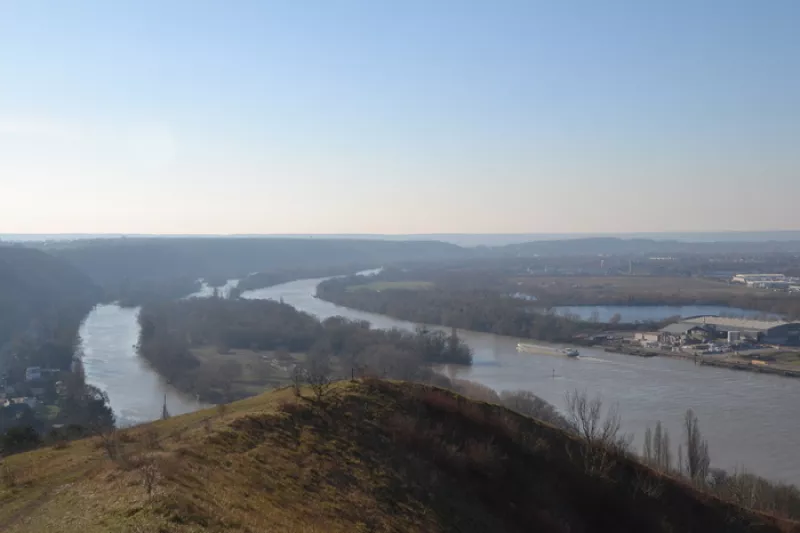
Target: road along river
[(748, 418)]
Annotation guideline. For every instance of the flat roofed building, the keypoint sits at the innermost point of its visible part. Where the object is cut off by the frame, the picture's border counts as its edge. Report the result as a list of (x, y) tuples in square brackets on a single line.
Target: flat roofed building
[(750, 278), (768, 331), (684, 332)]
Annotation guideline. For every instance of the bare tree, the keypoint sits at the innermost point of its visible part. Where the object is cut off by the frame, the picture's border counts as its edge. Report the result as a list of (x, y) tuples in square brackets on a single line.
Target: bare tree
[(318, 373), (398, 363), (528, 404), (109, 440), (8, 476), (647, 448), (298, 377), (656, 451), (150, 439), (150, 476), (587, 417), (662, 454), (601, 435), (697, 459)]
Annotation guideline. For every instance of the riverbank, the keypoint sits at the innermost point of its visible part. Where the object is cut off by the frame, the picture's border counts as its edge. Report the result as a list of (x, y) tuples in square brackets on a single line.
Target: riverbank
[(731, 363), (644, 291), (729, 404), (473, 310), (338, 292), (108, 338), (227, 349)]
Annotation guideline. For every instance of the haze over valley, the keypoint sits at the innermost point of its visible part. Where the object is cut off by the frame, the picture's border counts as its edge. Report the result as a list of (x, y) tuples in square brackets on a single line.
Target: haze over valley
[(413, 266)]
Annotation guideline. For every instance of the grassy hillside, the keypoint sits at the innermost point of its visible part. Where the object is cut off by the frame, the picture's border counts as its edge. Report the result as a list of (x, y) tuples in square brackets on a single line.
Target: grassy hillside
[(370, 456)]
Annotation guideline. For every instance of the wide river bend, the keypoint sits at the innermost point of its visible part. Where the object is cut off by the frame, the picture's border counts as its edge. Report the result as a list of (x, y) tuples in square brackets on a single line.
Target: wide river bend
[(748, 418)]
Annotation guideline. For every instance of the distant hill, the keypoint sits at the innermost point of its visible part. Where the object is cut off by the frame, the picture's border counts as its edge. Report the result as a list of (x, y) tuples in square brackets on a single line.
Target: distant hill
[(36, 288), (372, 456), (109, 261), (461, 239), (618, 246), (135, 270)]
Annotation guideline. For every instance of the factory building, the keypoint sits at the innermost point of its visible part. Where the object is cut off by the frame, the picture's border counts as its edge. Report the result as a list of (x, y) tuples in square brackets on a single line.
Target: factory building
[(750, 279), (766, 331)]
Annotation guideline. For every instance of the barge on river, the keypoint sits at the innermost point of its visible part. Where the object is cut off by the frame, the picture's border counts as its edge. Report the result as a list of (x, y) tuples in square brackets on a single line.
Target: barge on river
[(534, 348)]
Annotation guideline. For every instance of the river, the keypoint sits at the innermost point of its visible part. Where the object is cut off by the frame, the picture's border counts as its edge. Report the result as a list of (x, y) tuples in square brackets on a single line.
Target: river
[(135, 391), (747, 418)]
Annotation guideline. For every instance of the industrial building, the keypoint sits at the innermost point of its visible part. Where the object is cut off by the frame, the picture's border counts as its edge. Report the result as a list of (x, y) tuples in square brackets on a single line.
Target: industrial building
[(749, 279), (681, 332), (764, 331), (765, 281)]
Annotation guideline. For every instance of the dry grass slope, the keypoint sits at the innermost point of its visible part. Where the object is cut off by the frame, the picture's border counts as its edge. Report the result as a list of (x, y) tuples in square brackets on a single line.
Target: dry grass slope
[(371, 456)]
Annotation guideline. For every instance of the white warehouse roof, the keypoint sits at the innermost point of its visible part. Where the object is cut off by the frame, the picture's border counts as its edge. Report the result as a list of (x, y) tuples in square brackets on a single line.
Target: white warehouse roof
[(736, 323)]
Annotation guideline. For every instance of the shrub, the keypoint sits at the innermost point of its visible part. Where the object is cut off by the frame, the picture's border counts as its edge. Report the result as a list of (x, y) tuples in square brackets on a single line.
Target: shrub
[(484, 456)]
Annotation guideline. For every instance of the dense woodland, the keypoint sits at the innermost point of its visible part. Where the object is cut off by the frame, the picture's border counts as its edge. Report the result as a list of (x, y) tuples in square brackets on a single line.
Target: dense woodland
[(135, 268), (491, 281), (171, 330), (475, 309), (42, 302)]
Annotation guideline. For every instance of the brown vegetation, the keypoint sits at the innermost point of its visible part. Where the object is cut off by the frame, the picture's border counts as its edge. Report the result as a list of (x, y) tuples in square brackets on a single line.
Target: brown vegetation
[(473, 309), (372, 456), (224, 350), (654, 290)]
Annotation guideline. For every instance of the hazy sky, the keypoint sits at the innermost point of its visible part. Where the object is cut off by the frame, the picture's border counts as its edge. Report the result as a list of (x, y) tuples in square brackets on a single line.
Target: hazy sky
[(399, 116)]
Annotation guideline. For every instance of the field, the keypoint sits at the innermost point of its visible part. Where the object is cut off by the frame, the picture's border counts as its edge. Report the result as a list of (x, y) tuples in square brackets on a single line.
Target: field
[(631, 283), (392, 285), (579, 290), (238, 374)]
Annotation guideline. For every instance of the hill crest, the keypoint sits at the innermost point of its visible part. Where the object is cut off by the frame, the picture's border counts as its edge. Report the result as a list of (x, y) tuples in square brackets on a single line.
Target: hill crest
[(368, 456)]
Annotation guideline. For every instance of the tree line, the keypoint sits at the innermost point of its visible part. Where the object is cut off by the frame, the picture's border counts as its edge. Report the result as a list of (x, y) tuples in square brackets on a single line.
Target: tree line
[(599, 428), (172, 331), (503, 277), (474, 309)]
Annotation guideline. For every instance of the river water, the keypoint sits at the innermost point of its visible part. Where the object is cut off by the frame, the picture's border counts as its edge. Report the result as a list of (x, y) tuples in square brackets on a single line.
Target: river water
[(135, 391), (748, 418)]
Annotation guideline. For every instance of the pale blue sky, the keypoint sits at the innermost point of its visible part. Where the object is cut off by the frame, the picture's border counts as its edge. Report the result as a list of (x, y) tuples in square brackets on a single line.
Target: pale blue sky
[(407, 116)]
